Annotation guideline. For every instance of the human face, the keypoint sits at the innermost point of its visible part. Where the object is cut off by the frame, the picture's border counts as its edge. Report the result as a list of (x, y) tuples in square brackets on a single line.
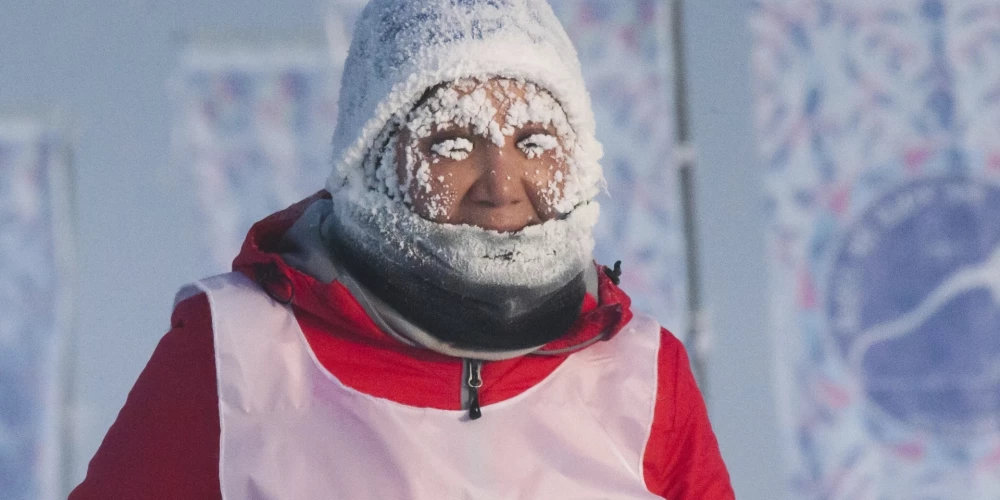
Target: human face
[(487, 154)]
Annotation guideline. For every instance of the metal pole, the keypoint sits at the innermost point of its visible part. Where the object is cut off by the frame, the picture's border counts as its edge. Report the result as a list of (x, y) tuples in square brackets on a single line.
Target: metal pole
[(697, 334), (64, 208)]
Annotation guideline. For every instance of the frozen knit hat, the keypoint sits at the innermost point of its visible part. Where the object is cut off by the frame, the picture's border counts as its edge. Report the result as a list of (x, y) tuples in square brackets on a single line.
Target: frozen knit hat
[(401, 48)]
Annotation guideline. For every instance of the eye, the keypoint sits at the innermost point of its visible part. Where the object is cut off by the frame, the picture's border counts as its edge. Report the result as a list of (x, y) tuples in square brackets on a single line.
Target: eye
[(456, 149), (536, 145)]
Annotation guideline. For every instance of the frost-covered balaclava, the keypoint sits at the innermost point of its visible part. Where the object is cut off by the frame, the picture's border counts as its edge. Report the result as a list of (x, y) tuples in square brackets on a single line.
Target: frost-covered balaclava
[(467, 286)]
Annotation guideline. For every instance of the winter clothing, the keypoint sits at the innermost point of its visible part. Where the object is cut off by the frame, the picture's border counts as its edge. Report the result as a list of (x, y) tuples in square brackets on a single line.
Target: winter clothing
[(306, 247), (521, 304), (520, 290), (166, 440), (276, 402), (401, 48), (320, 368)]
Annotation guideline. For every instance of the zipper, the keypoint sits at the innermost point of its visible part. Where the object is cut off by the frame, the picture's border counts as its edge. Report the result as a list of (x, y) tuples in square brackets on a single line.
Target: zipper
[(473, 379)]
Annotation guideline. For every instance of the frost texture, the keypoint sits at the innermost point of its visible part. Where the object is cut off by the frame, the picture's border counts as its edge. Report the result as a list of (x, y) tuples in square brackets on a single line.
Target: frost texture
[(538, 144), (468, 105), (538, 256), (455, 149), (402, 48)]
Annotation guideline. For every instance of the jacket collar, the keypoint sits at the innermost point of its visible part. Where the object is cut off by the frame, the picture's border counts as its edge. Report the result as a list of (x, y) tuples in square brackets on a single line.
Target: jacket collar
[(261, 260)]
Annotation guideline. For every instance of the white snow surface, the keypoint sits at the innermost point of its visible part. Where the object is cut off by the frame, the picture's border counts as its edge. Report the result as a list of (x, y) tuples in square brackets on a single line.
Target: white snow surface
[(401, 48)]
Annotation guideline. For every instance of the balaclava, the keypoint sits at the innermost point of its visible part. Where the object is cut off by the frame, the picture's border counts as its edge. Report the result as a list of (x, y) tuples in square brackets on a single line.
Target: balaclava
[(467, 286)]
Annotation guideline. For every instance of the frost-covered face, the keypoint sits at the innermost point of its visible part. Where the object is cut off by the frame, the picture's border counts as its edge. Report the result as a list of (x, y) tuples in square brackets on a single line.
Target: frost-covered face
[(487, 153), (480, 188)]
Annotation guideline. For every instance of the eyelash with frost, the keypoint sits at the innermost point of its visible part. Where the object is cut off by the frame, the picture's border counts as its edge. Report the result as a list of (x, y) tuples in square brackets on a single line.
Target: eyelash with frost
[(537, 144), (456, 149)]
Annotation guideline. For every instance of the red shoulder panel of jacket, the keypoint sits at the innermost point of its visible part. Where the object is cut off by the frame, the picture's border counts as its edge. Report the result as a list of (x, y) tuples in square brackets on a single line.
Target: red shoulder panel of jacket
[(165, 441), (682, 459)]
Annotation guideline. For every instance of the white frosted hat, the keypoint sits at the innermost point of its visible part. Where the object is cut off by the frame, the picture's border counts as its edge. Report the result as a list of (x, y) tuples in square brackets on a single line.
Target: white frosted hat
[(403, 47)]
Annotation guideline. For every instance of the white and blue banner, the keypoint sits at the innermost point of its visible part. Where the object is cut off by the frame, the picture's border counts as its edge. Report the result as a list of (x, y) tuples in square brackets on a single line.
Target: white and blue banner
[(626, 53), (879, 129), (254, 127), (34, 323)]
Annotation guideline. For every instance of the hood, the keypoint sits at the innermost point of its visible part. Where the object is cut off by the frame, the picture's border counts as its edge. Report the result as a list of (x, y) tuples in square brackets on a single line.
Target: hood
[(263, 259), (401, 48)]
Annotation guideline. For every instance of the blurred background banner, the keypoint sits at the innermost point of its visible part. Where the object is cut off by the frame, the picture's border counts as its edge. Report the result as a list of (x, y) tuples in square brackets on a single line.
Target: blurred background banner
[(34, 287), (625, 50), (253, 128), (879, 128)]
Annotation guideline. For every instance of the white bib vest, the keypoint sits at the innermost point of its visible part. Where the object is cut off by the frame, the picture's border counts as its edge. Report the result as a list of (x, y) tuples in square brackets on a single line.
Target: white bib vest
[(291, 430)]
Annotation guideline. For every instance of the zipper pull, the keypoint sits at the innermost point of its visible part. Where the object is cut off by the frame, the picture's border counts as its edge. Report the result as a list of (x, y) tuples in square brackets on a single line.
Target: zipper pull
[(475, 381)]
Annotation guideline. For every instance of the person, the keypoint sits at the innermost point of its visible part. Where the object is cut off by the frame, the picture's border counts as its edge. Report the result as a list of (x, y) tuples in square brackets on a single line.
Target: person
[(432, 324)]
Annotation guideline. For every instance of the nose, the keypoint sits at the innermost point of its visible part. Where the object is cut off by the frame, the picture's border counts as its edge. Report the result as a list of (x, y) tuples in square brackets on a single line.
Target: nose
[(501, 182)]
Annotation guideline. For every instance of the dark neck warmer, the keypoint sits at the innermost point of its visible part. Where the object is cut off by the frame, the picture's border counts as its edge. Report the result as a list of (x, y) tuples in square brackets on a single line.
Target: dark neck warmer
[(468, 316)]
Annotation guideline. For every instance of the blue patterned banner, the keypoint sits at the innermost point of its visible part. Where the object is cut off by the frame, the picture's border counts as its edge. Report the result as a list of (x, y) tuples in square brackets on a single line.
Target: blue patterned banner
[(33, 309), (625, 50), (879, 127), (253, 128)]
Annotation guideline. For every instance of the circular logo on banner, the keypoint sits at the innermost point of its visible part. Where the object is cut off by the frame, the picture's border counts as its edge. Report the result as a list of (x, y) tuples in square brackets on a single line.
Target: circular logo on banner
[(914, 304)]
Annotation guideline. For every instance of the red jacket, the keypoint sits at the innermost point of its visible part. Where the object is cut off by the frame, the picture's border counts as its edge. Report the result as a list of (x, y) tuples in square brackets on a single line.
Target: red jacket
[(165, 441)]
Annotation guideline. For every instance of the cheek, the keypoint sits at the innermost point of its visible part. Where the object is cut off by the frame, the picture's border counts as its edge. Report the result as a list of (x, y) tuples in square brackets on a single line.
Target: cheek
[(427, 188), (547, 180), (437, 190)]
